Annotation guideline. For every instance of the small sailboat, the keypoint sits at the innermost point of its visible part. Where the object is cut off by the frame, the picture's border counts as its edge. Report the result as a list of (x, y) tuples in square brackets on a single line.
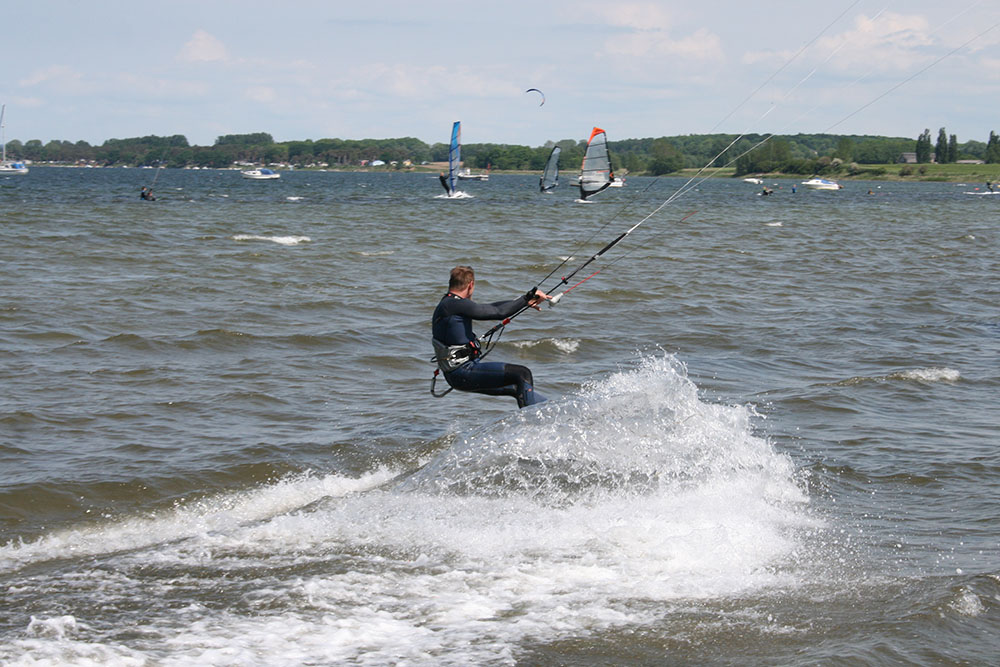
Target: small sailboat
[(550, 177), (595, 173), (5, 166)]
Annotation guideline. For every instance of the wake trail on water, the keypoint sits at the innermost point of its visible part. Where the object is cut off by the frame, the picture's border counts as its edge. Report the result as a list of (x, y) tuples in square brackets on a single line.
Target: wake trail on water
[(585, 513)]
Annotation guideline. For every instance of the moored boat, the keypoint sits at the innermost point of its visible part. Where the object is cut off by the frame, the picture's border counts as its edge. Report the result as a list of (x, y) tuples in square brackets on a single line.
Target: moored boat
[(817, 183), (5, 166), (262, 174)]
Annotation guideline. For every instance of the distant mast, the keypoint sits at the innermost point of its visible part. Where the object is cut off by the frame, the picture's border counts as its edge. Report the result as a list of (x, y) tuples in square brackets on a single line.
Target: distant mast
[(454, 156), (3, 134), (595, 173), (550, 177)]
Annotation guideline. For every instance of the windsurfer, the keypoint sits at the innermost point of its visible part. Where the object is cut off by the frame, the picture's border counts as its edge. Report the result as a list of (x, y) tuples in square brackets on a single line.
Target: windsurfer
[(456, 347), (444, 182)]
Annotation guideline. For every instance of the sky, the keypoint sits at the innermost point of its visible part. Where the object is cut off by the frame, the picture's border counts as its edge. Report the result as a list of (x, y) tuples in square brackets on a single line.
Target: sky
[(311, 69)]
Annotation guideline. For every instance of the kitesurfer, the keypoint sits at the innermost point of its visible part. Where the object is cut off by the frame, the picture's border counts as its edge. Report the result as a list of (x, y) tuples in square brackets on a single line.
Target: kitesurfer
[(989, 186), (456, 347), (146, 194)]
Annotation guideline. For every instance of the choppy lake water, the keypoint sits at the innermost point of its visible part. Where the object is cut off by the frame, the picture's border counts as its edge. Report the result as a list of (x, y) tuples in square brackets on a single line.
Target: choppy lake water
[(772, 434)]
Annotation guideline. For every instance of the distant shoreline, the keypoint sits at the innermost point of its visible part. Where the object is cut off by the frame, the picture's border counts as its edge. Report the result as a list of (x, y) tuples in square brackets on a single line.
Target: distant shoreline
[(932, 173)]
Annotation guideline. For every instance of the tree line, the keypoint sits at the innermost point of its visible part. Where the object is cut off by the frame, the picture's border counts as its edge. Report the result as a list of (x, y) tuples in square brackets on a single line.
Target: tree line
[(752, 153)]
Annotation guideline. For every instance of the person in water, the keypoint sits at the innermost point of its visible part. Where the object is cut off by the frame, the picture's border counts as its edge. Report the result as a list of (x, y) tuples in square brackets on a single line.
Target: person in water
[(456, 347), (146, 194)]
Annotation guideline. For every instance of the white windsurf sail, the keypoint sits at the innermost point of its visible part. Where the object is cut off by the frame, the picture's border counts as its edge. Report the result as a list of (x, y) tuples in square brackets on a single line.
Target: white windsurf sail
[(596, 173)]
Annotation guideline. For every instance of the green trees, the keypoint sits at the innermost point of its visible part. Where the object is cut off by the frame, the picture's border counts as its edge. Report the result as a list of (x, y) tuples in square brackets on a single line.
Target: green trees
[(992, 154), (923, 148), (845, 149), (941, 147), (666, 158), (253, 139), (790, 154)]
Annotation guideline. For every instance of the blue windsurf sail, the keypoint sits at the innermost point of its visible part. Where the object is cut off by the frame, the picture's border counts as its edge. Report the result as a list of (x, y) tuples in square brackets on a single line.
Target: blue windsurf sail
[(454, 156)]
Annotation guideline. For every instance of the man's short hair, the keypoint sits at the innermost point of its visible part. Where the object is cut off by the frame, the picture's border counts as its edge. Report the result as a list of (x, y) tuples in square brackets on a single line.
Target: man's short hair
[(461, 276)]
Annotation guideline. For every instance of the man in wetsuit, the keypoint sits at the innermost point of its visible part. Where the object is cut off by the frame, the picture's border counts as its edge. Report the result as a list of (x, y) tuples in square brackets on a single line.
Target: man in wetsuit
[(457, 350)]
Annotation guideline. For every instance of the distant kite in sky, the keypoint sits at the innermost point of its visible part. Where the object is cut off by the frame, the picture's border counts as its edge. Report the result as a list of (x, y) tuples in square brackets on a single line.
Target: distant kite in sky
[(529, 90)]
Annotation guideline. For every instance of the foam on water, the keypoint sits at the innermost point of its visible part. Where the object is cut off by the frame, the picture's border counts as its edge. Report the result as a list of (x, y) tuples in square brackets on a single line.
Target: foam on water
[(920, 375), (375, 253), (186, 521), (967, 603), (564, 345), (579, 515), (283, 240), (928, 375)]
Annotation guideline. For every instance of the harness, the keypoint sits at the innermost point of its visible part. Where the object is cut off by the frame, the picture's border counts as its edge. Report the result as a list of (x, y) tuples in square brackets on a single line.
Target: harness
[(450, 358)]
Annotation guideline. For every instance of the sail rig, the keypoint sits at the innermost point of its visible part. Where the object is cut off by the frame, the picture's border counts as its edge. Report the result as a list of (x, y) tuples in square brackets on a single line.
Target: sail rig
[(596, 173), (550, 177), (454, 156)]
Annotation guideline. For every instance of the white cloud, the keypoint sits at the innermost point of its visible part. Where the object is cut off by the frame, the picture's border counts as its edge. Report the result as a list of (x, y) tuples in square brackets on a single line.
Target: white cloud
[(203, 47), (260, 94), (55, 74), (888, 42), (991, 68), (425, 82), (648, 33), (700, 45), (26, 102), (156, 87), (636, 15)]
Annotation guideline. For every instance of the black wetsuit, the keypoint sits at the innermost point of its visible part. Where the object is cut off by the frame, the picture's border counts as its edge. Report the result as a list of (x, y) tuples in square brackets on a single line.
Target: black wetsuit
[(452, 325), (444, 183)]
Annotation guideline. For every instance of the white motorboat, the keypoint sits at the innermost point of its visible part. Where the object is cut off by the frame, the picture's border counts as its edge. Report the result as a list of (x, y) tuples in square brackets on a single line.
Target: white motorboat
[(262, 174), (817, 183), (755, 181), (466, 174)]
